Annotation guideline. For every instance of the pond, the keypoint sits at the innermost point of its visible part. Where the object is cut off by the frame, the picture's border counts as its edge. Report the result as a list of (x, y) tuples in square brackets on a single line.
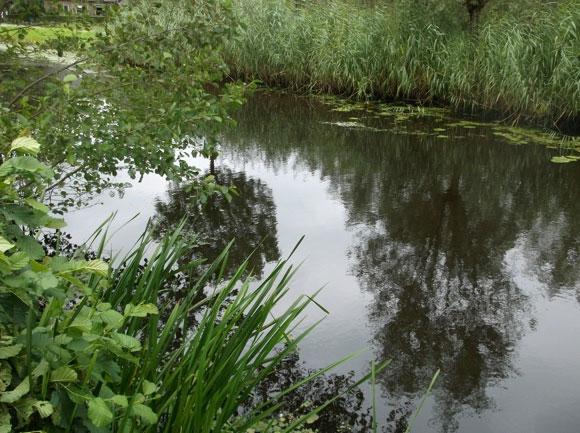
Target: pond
[(439, 243)]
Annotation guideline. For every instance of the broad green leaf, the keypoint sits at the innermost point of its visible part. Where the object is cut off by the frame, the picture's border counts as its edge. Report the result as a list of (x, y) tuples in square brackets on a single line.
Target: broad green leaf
[(119, 400), (24, 407), (5, 376), (112, 318), (24, 164), (127, 342), (44, 408), (5, 422), (5, 245), (149, 387), (99, 412), (53, 223), (25, 145), (83, 324), (17, 393), (145, 413), (93, 266), (97, 267), (141, 310), (63, 374), (37, 205), (62, 339), (10, 351), (103, 306), (30, 246), (41, 369), (18, 260)]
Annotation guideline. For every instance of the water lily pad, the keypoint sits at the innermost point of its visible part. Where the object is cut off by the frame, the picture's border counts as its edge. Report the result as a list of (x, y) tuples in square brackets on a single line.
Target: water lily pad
[(563, 159)]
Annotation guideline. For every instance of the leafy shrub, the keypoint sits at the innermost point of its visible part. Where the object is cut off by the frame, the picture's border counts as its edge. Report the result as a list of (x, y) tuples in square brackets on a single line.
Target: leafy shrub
[(61, 344)]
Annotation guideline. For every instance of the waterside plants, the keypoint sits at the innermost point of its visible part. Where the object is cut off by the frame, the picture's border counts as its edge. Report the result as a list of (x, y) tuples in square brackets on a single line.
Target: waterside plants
[(522, 63)]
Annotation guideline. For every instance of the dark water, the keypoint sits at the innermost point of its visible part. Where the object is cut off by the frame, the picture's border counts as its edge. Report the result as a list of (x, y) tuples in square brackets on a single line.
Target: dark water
[(459, 253)]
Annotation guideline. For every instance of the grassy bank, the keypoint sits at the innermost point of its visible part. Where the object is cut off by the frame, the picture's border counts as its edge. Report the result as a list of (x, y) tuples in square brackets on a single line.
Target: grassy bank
[(523, 64), (39, 34)]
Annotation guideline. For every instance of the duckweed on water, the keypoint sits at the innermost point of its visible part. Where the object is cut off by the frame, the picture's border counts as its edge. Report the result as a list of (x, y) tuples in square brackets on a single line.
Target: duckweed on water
[(399, 114)]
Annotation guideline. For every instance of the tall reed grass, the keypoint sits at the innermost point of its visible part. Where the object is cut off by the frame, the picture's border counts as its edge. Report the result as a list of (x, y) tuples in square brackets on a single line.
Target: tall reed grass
[(207, 352), (526, 66)]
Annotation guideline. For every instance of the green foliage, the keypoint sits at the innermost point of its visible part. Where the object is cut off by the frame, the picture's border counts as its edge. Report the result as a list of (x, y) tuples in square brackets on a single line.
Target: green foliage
[(60, 354), (141, 92), (524, 64), (23, 10)]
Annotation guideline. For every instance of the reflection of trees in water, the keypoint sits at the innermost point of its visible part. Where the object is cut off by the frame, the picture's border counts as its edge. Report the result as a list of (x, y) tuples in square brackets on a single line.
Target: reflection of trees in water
[(435, 221), (249, 219), (443, 298), (345, 414)]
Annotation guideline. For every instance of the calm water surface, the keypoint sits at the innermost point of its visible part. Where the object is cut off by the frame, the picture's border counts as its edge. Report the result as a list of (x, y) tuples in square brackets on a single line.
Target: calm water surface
[(459, 253)]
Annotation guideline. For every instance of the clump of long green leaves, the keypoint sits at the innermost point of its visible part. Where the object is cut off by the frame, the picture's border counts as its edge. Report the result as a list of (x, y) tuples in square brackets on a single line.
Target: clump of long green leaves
[(525, 65), (207, 353), (84, 347)]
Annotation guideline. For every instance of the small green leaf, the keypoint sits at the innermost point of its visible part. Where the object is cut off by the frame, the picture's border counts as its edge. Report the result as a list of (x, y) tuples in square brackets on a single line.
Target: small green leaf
[(98, 267), (149, 387), (112, 318), (31, 247), (99, 412), (37, 205), (44, 408), (24, 164), (5, 245), (25, 145), (17, 393), (141, 310), (5, 422), (311, 419), (119, 400), (145, 413), (63, 374), (10, 351), (127, 342), (41, 369)]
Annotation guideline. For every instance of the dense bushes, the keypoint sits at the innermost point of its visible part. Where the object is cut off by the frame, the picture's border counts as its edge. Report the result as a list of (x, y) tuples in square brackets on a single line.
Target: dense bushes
[(524, 64)]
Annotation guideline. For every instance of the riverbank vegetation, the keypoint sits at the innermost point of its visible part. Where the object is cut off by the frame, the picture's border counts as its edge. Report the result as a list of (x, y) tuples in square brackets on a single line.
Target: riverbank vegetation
[(87, 346), (518, 59), (153, 341), (40, 34)]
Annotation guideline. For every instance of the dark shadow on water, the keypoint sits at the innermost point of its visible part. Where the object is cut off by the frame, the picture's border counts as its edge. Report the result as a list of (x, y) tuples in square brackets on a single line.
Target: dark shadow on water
[(249, 218)]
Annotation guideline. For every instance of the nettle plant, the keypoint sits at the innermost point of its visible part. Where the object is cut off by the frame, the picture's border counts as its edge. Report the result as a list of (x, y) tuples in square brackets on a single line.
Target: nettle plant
[(61, 348)]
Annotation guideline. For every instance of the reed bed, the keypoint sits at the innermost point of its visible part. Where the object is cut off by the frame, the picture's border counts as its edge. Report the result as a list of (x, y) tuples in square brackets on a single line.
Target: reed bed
[(525, 66)]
